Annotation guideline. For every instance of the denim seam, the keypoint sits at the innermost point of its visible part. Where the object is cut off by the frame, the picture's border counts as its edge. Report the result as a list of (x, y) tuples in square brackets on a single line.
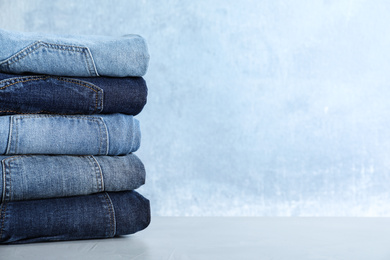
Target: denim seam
[(94, 71), (11, 126), (3, 210), (96, 91), (3, 81), (91, 118), (94, 173), (36, 45), (98, 174), (7, 196), (111, 213), (20, 80), (101, 137), (16, 134), (107, 136), (7, 172), (42, 111), (99, 91), (4, 181), (72, 81), (133, 137)]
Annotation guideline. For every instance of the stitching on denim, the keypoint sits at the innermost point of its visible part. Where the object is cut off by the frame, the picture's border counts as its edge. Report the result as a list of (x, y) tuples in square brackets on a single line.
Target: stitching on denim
[(90, 118), (16, 134), (94, 171), (102, 188), (38, 44), (4, 81), (34, 46), (4, 182), (73, 81), (3, 210), (10, 185), (100, 122), (111, 213), (22, 81), (11, 126), (100, 139), (28, 113), (8, 195), (107, 136), (133, 137), (8, 161), (39, 113), (87, 53)]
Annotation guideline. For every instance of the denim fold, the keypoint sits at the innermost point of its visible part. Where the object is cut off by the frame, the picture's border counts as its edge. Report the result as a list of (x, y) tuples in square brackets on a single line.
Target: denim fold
[(26, 177), (67, 136), (45, 94), (73, 55), (111, 134), (101, 215)]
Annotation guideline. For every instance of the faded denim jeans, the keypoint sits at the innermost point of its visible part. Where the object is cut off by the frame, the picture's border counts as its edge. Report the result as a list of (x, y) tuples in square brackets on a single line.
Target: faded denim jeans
[(73, 55), (111, 134), (44, 94), (100, 215), (59, 183), (26, 177)]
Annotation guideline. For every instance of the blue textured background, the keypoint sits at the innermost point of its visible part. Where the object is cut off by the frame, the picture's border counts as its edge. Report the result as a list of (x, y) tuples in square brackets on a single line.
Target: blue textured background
[(255, 107)]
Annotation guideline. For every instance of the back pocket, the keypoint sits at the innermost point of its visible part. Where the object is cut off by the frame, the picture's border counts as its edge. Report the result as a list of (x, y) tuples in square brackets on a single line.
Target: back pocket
[(46, 94), (46, 134), (55, 59)]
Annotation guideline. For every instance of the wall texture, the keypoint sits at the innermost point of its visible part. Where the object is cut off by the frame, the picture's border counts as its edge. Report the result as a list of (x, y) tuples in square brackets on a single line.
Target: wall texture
[(262, 108)]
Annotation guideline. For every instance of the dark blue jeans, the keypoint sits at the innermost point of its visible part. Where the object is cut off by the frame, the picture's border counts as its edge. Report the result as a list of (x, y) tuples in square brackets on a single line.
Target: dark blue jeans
[(100, 215), (43, 94)]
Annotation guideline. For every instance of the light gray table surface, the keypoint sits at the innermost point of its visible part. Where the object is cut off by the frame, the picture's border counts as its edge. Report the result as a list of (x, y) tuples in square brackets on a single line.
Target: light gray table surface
[(228, 238)]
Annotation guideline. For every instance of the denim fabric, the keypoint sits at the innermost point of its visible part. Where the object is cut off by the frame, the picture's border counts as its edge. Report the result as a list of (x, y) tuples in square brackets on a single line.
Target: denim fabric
[(100, 215), (73, 55), (42, 94), (25, 177), (111, 134)]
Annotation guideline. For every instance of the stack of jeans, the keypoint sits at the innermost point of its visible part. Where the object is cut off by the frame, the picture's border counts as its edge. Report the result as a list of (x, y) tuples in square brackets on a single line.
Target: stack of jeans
[(67, 136)]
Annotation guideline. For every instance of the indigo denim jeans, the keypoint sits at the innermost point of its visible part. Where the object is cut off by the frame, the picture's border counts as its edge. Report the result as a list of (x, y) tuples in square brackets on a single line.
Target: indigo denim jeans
[(43, 94), (111, 134), (26, 177), (73, 55), (100, 215)]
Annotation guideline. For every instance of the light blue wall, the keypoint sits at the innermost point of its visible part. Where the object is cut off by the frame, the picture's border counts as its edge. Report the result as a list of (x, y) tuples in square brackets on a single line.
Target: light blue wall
[(255, 107)]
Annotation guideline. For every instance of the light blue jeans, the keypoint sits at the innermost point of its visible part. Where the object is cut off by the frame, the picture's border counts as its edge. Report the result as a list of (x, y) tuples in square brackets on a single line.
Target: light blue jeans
[(25, 177), (111, 134), (73, 55)]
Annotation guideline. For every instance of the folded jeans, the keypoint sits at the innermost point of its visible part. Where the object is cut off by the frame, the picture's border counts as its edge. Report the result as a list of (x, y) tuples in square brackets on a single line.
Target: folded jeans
[(73, 55), (101, 215), (44, 94), (111, 134), (26, 177)]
